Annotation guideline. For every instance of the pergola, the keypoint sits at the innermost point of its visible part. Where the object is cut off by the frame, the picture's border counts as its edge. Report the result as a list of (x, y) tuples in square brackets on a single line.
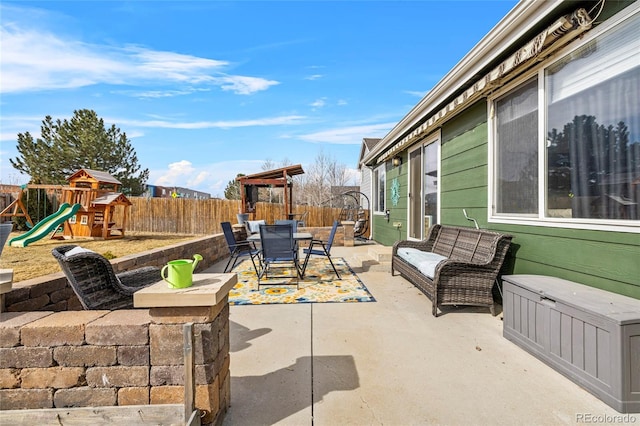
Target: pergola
[(277, 178)]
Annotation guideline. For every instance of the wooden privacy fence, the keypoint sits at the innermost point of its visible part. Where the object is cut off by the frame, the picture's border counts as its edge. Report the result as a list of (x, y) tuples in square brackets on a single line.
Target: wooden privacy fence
[(192, 216)]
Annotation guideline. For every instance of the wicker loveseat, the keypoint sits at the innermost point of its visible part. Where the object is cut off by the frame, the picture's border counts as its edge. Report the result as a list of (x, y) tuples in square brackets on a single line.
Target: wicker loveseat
[(453, 266)]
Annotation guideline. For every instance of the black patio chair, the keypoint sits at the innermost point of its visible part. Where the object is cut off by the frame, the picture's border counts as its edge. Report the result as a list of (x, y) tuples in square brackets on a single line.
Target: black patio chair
[(278, 247), (322, 248), (238, 249), (291, 222), (97, 286), (294, 225)]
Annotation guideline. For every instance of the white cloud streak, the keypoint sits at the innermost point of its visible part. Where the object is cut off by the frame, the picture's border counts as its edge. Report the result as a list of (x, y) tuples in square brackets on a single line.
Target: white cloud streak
[(34, 60), (272, 121), (319, 103), (32, 124), (348, 135)]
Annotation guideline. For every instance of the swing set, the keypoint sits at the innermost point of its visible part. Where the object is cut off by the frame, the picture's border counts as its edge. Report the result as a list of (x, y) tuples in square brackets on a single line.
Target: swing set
[(44, 194)]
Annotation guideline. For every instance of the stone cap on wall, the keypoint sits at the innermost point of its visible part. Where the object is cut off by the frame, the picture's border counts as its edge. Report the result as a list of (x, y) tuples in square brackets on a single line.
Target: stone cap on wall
[(207, 290)]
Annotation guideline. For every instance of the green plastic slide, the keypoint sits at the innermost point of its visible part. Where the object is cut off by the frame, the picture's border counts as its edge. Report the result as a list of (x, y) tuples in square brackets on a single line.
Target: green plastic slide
[(45, 226)]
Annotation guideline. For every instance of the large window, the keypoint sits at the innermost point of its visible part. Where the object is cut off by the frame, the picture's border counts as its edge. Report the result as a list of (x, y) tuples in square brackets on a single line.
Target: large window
[(379, 189), (517, 151), (590, 139)]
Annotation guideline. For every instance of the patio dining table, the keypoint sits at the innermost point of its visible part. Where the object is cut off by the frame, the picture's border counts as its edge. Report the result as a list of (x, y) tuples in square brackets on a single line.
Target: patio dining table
[(298, 236)]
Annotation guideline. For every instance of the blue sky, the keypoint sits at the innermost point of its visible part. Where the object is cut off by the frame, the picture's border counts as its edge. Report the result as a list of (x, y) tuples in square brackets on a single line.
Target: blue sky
[(205, 90)]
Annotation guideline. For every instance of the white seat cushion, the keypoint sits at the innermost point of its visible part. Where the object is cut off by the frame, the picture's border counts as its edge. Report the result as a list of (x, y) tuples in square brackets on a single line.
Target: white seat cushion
[(78, 250), (425, 261), (254, 225)]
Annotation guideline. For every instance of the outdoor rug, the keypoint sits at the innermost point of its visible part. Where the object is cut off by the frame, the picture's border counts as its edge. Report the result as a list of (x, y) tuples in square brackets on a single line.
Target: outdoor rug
[(319, 285)]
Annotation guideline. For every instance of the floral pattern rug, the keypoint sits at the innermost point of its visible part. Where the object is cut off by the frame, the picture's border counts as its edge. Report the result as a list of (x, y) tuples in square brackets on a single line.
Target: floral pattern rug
[(319, 285)]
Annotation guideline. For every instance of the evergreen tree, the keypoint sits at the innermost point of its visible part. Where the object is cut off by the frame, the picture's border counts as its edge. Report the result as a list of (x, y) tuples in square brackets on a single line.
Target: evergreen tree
[(232, 191), (66, 146)]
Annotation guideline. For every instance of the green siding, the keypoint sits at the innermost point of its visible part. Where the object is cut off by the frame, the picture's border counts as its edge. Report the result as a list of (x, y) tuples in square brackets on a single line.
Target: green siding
[(607, 260), (603, 259), (384, 232), (464, 168)]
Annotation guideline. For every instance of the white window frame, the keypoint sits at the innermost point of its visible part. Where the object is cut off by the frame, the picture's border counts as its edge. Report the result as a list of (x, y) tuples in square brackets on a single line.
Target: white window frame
[(375, 181), (431, 139), (632, 226)]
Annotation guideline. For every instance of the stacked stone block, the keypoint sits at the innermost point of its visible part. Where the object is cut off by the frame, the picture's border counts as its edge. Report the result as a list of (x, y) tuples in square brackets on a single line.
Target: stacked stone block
[(107, 358)]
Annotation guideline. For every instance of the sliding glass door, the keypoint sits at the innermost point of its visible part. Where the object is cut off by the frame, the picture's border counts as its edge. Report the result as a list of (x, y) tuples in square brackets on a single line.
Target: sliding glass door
[(424, 161), (415, 193), (431, 196)]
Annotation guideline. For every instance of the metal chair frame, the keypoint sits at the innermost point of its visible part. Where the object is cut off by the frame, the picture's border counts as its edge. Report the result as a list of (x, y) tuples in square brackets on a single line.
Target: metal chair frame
[(325, 249), (278, 246), (238, 249)]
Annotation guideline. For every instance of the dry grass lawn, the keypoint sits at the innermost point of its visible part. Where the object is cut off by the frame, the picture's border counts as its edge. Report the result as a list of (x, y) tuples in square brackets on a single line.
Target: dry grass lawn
[(36, 260)]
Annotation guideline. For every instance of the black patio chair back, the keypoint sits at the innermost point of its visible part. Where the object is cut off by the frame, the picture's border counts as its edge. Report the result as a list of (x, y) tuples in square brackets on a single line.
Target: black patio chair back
[(321, 248), (93, 280), (290, 222), (238, 249), (278, 246)]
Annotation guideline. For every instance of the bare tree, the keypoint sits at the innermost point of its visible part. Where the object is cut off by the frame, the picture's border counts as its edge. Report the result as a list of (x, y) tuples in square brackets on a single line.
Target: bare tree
[(314, 187)]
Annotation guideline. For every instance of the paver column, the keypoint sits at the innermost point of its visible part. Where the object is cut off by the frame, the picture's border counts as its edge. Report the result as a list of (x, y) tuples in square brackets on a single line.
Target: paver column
[(206, 305)]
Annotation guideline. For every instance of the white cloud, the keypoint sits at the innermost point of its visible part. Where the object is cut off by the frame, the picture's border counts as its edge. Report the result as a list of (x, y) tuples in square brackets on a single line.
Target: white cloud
[(211, 178), (243, 85), (416, 93), (319, 103), (157, 94), (199, 178), (35, 59), (176, 173), (348, 135), (173, 65), (270, 121), (314, 77), (353, 176)]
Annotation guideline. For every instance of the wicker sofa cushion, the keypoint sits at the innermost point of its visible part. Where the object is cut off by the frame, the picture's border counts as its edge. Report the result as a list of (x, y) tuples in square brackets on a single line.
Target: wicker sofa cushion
[(424, 261)]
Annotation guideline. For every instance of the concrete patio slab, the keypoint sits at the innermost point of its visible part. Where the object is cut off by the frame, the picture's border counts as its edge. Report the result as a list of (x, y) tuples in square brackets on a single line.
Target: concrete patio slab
[(270, 365), (391, 362)]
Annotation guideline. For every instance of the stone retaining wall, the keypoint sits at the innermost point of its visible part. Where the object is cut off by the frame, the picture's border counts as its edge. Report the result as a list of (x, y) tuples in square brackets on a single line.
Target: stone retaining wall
[(53, 293), (107, 358)]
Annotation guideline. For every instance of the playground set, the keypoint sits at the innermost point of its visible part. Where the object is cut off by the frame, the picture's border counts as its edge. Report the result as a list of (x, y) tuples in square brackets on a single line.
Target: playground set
[(87, 209)]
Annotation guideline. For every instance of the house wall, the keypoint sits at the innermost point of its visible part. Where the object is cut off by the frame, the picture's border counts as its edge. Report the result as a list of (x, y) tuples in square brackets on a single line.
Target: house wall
[(603, 259), (365, 186), (600, 258), (464, 167), (384, 231)]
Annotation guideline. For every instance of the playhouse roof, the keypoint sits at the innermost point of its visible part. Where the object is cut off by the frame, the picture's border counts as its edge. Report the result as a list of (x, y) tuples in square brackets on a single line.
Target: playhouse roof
[(112, 198), (98, 175)]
